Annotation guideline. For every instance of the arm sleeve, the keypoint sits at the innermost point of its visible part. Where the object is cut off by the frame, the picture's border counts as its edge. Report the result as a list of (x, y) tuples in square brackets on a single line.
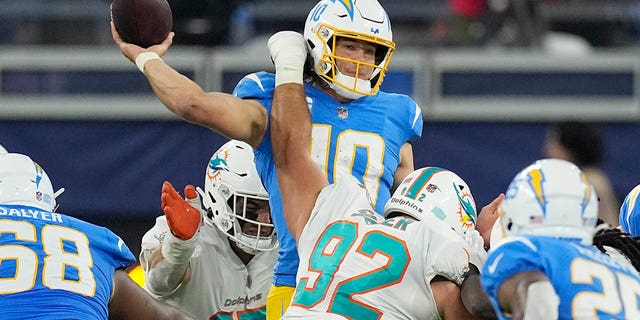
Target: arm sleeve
[(164, 278), (450, 258)]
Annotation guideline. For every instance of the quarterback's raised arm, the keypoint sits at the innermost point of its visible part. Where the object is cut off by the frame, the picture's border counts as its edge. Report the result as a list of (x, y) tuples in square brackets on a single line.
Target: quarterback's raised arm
[(223, 113), (300, 179)]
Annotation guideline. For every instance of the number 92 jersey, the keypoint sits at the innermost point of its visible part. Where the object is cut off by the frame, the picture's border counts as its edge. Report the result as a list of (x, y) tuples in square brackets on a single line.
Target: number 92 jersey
[(53, 266), (354, 264), (360, 138), (590, 284)]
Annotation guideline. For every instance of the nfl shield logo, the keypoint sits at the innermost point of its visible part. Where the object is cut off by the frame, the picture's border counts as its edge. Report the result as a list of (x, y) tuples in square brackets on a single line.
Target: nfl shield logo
[(343, 113), (431, 188)]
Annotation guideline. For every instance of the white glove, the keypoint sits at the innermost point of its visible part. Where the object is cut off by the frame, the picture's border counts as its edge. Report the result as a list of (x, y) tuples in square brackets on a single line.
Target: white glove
[(475, 244), (288, 53)]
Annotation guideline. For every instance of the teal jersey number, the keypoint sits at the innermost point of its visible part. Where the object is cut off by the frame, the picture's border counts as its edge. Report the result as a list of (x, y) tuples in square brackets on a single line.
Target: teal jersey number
[(256, 314), (327, 257)]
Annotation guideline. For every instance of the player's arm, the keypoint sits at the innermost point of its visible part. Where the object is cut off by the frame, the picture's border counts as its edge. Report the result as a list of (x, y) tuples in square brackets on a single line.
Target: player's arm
[(405, 167), (474, 298), (162, 277), (447, 297), (168, 266), (223, 113), (129, 301), (299, 178), (529, 295)]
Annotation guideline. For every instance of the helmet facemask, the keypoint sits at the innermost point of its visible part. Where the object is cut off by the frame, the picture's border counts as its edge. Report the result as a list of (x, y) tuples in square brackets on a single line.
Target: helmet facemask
[(352, 87)]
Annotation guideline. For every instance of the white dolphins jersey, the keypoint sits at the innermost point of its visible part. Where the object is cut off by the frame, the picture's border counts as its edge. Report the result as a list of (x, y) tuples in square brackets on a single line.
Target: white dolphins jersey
[(354, 264), (221, 286)]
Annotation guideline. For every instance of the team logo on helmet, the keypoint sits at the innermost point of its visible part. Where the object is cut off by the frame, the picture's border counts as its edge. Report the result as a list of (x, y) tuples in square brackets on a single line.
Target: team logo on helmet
[(587, 192), (466, 212), (218, 164), (38, 175), (535, 177), (348, 5)]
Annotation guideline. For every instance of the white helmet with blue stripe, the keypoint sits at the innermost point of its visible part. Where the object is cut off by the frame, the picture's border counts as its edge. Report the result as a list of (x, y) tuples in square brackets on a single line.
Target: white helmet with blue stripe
[(433, 192), (551, 197), (363, 20), (24, 182)]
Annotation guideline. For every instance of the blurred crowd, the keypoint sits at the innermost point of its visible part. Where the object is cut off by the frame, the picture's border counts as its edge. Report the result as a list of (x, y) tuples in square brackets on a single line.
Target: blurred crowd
[(450, 23)]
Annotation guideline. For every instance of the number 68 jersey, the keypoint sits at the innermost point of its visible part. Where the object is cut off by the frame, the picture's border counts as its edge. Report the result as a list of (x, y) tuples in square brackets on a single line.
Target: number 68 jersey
[(590, 284), (354, 264), (53, 266)]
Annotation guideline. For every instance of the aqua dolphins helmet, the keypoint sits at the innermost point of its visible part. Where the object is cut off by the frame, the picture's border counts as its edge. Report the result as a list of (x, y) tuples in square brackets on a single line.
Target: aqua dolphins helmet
[(433, 192), (550, 197), (24, 182), (231, 178), (364, 20)]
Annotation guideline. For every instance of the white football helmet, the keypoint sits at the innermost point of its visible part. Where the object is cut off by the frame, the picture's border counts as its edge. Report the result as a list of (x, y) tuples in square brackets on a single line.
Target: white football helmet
[(363, 20), (435, 192), (551, 197), (231, 175), (24, 182)]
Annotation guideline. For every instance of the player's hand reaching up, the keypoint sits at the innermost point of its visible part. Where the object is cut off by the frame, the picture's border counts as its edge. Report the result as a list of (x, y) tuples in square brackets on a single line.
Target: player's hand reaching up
[(487, 218), (182, 217), (288, 53), (131, 51)]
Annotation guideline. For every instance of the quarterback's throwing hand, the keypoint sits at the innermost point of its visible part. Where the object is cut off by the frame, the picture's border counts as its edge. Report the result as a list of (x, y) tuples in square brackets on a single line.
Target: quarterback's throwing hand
[(182, 218), (288, 53)]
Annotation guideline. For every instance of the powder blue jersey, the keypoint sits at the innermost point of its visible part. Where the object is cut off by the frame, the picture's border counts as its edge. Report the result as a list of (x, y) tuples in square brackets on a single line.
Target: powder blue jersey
[(590, 284), (53, 266), (360, 138)]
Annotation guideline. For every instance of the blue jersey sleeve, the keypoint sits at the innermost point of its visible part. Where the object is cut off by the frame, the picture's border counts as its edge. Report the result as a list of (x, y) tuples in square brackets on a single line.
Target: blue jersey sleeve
[(414, 120), (511, 257), (118, 252), (257, 86)]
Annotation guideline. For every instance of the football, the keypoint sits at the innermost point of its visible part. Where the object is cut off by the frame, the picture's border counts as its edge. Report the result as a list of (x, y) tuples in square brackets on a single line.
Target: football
[(142, 22)]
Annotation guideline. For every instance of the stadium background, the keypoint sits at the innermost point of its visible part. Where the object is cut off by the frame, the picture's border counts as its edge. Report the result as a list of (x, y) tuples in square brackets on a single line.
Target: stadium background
[(72, 102)]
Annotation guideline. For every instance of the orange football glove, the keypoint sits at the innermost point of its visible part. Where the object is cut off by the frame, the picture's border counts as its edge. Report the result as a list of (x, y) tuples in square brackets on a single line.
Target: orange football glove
[(182, 218)]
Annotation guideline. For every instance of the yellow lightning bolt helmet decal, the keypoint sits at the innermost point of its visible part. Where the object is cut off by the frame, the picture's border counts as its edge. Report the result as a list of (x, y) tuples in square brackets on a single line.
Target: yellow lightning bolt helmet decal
[(536, 178), (587, 192), (348, 4)]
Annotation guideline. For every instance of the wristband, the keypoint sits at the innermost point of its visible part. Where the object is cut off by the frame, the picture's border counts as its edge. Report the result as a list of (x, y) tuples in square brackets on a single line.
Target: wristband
[(144, 57), (176, 251)]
